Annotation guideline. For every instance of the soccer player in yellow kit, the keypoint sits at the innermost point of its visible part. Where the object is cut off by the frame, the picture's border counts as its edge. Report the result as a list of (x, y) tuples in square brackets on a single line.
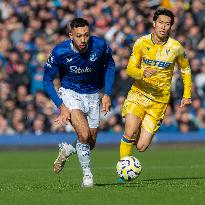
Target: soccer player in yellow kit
[(151, 65)]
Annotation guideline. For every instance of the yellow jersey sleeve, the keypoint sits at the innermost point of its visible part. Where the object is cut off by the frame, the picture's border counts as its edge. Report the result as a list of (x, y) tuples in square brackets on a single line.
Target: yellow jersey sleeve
[(183, 63), (134, 63)]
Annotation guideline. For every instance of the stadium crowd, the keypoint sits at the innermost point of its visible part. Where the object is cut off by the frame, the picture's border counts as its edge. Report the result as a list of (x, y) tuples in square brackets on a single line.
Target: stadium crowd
[(30, 28)]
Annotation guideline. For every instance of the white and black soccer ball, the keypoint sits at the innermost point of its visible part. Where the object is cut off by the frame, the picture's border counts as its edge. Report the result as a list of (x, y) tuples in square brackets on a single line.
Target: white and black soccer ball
[(128, 168)]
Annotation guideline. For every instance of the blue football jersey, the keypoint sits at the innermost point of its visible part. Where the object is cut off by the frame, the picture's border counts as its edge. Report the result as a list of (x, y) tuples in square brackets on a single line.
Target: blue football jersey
[(84, 73)]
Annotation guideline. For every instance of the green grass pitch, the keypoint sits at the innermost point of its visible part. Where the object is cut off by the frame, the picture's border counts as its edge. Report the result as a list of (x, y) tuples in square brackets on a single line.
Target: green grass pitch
[(169, 176)]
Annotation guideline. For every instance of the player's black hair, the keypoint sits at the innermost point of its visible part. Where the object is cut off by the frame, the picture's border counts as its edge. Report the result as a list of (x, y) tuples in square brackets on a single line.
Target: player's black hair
[(78, 22), (163, 11)]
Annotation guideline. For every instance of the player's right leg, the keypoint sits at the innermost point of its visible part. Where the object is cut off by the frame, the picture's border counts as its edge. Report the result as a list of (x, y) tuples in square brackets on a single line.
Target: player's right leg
[(65, 151), (80, 124), (133, 111), (131, 128)]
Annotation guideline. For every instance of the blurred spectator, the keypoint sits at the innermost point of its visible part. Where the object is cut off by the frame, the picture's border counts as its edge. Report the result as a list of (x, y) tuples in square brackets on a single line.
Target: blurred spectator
[(200, 81), (38, 127), (123, 84), (30, 29), (4, 127), (186, 123), (169, 123)]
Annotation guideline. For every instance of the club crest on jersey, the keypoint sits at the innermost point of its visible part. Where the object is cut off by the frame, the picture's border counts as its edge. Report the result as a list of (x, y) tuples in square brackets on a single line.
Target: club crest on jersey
[(93, 57), (167, 51)]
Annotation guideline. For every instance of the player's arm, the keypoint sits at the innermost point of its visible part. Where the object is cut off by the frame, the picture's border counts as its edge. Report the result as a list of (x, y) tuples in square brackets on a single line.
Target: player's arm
[(50, 72), (183, 63), (134, 64), (57, 83), (109, 77)]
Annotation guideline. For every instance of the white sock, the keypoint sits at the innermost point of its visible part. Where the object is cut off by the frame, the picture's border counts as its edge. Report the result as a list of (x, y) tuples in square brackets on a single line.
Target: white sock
[(70, 150), (83, 152)]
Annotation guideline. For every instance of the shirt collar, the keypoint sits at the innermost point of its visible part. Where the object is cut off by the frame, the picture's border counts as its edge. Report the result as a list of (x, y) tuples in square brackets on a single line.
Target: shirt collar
[(152, 39), (72, 47)]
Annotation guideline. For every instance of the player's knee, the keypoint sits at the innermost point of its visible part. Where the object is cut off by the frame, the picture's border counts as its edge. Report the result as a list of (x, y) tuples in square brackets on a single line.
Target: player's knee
[(84, 137), (141, 147), (129, 134)]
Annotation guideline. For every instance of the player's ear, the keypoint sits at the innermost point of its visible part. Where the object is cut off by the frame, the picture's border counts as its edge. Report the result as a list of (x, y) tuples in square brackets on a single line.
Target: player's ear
[(70, 35), (154, 24)]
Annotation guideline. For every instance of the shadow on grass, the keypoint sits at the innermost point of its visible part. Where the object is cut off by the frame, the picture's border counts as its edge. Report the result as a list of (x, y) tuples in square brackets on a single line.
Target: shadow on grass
[(143, 182)]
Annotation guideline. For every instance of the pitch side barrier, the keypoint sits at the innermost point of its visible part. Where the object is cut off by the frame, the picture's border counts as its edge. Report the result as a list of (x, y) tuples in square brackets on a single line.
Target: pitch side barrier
[(103, 138)]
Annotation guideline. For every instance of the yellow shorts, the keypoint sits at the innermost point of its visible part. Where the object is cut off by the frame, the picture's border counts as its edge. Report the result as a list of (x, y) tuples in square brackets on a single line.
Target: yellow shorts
[(150, 112)]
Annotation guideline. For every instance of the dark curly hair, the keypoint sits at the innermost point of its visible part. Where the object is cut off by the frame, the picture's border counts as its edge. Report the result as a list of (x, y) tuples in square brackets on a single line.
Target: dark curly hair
[(78, 22), (163, 11)]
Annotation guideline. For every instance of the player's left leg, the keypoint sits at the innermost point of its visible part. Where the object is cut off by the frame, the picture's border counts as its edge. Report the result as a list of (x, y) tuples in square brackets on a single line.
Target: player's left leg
[(132, 123), (144, 140), (93, 117), (133, 110)]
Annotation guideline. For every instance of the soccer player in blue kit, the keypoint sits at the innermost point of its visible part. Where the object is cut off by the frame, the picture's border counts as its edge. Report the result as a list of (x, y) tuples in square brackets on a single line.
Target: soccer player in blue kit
[(84, 65)]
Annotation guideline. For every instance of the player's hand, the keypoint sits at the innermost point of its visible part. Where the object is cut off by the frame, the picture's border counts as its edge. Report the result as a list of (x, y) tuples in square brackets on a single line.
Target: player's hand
[(106, 103), (148, 72), (64, 116), (185, 102)]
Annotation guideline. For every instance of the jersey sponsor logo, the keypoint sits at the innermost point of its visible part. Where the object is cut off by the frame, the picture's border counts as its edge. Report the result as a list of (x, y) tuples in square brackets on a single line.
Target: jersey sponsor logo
[(75, 69), (160, 64)]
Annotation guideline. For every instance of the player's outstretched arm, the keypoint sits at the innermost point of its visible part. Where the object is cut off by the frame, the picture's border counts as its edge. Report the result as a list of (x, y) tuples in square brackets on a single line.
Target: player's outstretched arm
[(50, 72), (109, 70), (109, 78), (183, 63)]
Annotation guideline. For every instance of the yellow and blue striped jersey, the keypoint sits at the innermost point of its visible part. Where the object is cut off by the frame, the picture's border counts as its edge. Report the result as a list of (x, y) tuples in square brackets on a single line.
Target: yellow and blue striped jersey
[(162, 58)]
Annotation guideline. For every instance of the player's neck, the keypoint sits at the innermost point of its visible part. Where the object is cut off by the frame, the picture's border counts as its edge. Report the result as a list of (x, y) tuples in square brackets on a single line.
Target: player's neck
[(158, 40)]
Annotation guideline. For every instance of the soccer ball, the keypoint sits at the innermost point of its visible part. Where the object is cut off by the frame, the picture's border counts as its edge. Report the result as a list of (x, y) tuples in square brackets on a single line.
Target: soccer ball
[(128, 168)]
